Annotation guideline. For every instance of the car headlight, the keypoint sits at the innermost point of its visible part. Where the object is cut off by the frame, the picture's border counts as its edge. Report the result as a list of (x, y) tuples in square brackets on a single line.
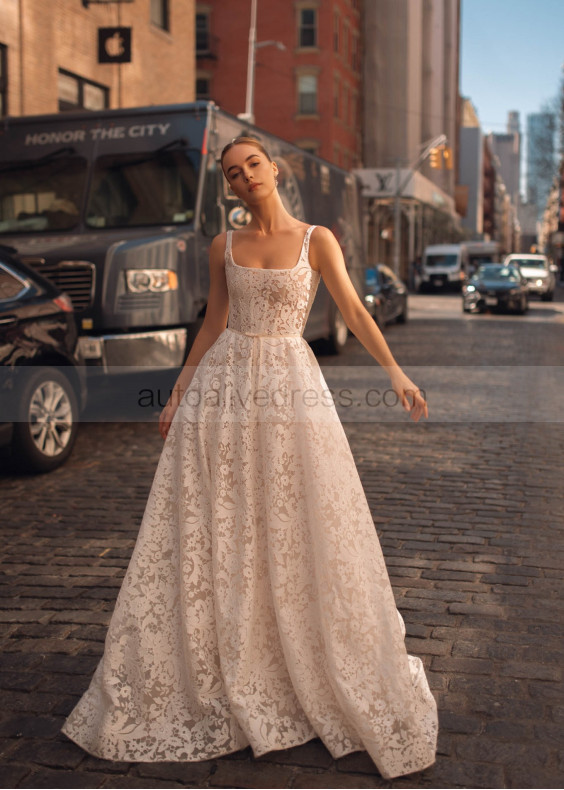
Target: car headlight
[(156, 280), (470, 288)]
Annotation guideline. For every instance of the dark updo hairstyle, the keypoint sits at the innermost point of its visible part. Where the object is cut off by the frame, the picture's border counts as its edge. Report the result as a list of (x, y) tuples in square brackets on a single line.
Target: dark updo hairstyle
[(248, 141)]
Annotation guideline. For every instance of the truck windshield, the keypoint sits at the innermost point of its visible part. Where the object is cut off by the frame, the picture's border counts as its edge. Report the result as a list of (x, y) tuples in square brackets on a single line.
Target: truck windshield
[(442, 260), (156, 188), (43, 194)]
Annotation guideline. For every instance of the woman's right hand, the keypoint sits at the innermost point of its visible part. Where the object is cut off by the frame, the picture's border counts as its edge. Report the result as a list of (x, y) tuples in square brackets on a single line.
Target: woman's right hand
[(165, 418)]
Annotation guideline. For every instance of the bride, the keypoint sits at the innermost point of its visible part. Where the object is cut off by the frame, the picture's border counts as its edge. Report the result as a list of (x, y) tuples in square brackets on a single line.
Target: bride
[(256, 608)]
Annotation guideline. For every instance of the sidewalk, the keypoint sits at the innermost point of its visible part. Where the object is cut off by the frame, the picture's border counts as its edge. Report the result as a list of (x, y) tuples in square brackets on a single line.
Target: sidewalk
[(470, 519)]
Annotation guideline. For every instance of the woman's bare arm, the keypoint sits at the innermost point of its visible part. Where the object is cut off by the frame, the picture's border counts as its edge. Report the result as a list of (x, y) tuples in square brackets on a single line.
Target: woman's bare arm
[(326, 257)]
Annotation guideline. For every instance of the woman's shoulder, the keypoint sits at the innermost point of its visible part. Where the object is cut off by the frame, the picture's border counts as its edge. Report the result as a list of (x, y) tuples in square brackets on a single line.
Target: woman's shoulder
[(321, 236)]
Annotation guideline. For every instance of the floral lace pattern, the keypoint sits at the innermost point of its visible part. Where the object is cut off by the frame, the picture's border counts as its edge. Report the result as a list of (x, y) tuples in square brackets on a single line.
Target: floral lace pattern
[(256, 607)]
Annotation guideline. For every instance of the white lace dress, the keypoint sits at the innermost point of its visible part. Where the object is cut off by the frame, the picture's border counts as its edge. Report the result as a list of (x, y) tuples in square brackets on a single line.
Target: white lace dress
[(256, 608)]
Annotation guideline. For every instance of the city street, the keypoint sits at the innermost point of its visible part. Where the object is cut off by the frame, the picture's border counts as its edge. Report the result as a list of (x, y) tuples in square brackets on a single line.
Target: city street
[(469, 507)]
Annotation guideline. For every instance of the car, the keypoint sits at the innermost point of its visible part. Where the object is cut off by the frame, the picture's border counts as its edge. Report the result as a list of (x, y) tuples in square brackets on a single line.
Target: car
[(496, 285), (43, 384), (386, 295), (538, 272)]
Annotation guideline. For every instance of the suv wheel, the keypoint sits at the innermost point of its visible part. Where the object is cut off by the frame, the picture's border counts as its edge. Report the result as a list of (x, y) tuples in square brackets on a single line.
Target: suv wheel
[(47, 424)]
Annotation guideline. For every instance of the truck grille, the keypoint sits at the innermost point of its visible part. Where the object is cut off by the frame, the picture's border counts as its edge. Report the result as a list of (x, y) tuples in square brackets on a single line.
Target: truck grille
[(75, 278)]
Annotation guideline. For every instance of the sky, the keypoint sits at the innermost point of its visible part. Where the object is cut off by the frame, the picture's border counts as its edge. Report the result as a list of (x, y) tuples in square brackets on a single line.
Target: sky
[(512, 52)]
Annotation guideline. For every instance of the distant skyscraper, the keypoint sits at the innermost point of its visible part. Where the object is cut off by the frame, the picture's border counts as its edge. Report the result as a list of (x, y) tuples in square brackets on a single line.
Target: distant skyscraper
[(507, 147), (513, 124), (541, 166)]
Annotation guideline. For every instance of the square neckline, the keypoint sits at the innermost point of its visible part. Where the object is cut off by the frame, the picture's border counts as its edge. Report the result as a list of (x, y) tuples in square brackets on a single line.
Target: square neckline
[(258, 269)]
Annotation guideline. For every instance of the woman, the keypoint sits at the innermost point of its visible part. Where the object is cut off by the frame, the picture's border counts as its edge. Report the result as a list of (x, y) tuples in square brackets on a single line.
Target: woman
[(256, 608)]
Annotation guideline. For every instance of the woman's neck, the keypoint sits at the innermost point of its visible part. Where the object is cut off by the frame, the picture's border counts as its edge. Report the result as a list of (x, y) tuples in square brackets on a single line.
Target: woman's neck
[(270, 216)]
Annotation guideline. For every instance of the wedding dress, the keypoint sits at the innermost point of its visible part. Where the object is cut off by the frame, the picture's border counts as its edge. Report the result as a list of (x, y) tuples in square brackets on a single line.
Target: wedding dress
[(256, 607)]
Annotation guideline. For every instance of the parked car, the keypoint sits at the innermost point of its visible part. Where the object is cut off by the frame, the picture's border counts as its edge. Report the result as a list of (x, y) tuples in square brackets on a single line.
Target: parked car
[(496, 285), (386, 295), (42, 381), (538, 272)]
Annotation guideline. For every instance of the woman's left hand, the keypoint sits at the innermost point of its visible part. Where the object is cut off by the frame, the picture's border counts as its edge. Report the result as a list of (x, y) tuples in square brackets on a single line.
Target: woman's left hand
[(411, 397)]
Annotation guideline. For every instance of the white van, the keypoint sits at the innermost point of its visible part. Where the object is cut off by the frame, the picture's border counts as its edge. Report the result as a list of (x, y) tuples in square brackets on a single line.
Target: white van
[(444, 266)]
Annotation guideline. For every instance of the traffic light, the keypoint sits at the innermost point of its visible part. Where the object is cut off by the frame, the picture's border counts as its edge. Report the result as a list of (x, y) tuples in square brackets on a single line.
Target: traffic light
[(447, 157), (436, 158)]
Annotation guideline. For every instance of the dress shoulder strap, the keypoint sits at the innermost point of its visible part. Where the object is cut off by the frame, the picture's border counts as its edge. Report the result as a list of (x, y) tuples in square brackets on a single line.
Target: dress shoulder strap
[(228, 243), (307, 238)]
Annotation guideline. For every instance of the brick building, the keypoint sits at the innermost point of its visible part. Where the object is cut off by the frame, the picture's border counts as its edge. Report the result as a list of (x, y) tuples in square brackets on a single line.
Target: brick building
[(308, 92), (49, 55)]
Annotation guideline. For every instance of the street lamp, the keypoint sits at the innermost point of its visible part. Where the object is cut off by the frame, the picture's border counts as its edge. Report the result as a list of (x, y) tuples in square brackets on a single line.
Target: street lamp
[(248, 115), (429, 147)]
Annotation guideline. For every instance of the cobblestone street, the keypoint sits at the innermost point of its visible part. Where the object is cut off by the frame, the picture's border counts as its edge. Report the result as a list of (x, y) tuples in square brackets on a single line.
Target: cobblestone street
[(470, 517)]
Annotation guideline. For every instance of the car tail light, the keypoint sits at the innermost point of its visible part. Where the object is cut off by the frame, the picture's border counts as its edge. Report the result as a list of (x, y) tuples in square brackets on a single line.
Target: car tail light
[(63, 301)]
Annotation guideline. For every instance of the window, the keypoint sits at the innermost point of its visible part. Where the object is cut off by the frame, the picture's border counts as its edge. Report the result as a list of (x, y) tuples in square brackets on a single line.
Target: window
[(160, 14), (202, 33), (78, 93), (353, 106), (152, 188), (202, 87), (3, 81), (311, 146), (346, 34), (336, 31), (11, 286), (336, 154), (308, 27), (336, 97), (42, 193), (345, 103), (307, 94), (355, 62)]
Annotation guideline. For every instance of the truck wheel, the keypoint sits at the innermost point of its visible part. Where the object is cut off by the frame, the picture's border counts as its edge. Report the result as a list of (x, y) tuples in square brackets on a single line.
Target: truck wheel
[(338, 333), (45, 432), (548, 297)]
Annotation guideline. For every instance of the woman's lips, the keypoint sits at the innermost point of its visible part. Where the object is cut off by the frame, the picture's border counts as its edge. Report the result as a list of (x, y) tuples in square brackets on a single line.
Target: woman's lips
[(253, 187)]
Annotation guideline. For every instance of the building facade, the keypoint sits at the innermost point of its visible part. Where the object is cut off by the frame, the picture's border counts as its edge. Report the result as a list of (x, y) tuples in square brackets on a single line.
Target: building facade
[(471, 171), (411, 77), (49, 55), (541, 165), (307, 74)]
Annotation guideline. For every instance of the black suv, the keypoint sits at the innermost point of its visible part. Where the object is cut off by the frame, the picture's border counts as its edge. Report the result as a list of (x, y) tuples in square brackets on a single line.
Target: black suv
[(42, 381)]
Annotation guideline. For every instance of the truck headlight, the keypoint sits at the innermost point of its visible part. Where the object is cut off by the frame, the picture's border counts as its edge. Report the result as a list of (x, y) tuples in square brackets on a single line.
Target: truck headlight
[(156, 280)]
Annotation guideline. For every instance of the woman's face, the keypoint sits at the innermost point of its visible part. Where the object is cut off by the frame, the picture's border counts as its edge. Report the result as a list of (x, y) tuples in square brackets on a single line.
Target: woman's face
[(249, 173)]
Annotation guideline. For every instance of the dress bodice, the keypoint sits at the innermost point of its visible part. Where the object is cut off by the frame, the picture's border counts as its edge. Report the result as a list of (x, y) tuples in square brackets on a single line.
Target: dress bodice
[(270, 302)]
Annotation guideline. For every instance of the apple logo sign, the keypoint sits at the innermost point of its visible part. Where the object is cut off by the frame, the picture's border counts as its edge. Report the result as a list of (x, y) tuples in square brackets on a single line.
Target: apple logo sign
[(114, 45)]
